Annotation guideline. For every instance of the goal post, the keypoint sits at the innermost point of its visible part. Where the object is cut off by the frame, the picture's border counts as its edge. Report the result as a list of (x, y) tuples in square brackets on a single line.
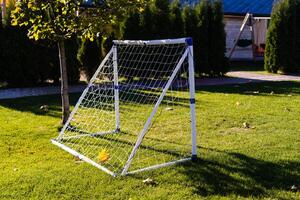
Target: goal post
[(138, 111)]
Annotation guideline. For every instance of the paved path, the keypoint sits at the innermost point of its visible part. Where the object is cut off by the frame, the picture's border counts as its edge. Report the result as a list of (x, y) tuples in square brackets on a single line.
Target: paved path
[(240, 77), (264, 76), (36, 91), (236, 77)]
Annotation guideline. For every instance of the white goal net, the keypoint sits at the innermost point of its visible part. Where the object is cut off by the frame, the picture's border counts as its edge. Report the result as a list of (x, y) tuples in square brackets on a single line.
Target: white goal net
[(138, 111)]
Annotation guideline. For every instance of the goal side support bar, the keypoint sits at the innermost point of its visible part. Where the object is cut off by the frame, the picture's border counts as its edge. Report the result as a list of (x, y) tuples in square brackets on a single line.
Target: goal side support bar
[(144, 131), (116, 87), (192, 101)]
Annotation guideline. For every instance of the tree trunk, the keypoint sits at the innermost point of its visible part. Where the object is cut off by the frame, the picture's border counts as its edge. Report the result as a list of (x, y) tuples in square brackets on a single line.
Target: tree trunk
[(64, 82), (3, 8)]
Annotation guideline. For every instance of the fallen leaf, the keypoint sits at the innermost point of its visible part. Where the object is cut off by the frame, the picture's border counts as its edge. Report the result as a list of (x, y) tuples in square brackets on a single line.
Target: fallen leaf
[(149, 181), (246, 125), (294, 188)]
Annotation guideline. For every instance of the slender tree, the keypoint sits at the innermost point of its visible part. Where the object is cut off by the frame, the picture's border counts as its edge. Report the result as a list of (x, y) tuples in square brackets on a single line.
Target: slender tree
[(58, 20)]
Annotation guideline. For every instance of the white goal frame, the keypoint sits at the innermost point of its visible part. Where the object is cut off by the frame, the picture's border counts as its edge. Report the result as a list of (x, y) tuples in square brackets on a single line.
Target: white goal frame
[(187, 55)]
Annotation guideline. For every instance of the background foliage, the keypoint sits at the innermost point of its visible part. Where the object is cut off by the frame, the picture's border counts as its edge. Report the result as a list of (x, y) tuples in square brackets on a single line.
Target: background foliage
[(204, 23), (28, 63)]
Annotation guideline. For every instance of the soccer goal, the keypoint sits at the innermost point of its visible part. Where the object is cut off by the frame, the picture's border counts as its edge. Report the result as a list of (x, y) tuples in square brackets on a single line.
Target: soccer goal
[(138, 110)]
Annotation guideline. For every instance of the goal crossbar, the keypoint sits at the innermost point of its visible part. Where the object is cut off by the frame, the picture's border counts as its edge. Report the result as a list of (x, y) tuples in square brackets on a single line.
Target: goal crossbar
[(154, 42)]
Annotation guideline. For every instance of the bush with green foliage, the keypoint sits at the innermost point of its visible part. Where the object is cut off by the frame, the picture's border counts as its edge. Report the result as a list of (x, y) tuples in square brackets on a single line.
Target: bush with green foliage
[(283, 38), (176, 20), (204, 23), (218, 61), (90, 55)]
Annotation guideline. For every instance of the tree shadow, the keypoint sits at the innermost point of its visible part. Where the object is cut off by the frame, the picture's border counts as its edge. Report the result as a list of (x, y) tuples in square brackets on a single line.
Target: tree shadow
[(33, 104), (240, 65), (239, 174), (97, 98)]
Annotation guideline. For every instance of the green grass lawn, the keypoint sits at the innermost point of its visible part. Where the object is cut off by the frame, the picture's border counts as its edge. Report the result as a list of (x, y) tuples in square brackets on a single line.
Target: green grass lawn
[(262, 161)]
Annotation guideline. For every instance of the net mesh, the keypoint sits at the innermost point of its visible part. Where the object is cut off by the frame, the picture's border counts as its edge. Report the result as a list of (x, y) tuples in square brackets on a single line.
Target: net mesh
[(142, 73)]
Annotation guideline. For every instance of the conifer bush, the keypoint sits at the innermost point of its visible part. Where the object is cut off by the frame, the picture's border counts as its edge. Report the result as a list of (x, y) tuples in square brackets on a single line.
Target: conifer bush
[(204, 23), (283, 38)]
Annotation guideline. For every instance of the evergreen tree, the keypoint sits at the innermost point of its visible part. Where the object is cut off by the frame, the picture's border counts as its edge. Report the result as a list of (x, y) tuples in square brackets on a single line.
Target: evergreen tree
[(147, 27), (204, 13), (161, 19), (177, 25), (218, 61), (89, 56), (283, 38), (131, 28), (190, 19)]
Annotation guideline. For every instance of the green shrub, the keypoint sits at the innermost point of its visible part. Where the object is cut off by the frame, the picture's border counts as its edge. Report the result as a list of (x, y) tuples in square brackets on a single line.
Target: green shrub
[(204, 23), (146, 23), (73, 65), (283, 38), (89, 55), (161, 19), (131, 27), (218, 61), (191, 29), (176, 20)]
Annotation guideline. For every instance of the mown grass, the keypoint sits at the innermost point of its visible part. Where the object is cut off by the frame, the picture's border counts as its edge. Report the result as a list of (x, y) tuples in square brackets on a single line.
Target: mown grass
[(260, 162)]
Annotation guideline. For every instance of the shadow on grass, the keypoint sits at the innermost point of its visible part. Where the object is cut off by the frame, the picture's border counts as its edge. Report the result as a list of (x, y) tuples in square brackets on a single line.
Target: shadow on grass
[(246, 66), (261, 89), (239, 174), (32, 104), (103, 102)]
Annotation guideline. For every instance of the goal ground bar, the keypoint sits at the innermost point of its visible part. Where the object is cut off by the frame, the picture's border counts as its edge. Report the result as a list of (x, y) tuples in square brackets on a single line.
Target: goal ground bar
[(82, 157), (159, 166)]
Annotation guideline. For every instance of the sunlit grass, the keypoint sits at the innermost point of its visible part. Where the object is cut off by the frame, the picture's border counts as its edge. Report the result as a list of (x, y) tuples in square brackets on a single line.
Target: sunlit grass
[(235, 162)]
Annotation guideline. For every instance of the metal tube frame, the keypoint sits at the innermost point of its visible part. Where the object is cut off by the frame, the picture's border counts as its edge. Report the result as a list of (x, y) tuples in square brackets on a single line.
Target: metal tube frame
[(116, 87), (146, 126), (187, 54)]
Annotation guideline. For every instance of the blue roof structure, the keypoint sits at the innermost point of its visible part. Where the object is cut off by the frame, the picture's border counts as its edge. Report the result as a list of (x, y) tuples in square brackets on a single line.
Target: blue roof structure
[(242, 7)]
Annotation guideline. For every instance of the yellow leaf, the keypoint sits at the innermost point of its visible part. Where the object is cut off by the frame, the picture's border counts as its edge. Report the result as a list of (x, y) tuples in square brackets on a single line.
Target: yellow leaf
[(17, 10), (30, 4), (14, 22), (103, 156)]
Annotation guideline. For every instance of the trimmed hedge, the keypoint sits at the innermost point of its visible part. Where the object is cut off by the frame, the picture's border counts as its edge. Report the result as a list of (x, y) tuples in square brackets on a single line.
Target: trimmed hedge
[(204, 23), (27, 63), (283, 38)]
